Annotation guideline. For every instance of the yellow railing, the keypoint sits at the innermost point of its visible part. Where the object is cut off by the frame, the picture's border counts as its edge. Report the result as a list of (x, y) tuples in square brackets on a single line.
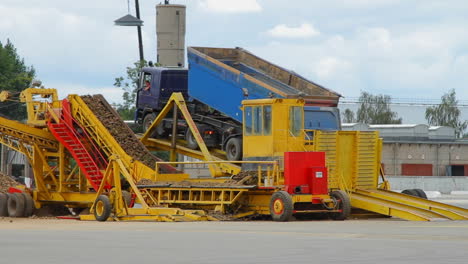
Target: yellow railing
[(271, 178)]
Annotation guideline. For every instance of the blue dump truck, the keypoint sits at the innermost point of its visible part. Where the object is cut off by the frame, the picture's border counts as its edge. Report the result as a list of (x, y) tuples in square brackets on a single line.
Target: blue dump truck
[(214, 85)]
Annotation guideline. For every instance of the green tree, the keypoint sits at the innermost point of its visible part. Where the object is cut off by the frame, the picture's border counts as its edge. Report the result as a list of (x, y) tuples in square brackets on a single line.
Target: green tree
[(129, 85), (15, 76), (375, 109), (447, 114), (348, 116)]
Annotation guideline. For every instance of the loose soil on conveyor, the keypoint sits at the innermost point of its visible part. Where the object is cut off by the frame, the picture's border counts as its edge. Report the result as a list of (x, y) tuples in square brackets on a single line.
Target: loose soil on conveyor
[(6, 182), (121, 132)]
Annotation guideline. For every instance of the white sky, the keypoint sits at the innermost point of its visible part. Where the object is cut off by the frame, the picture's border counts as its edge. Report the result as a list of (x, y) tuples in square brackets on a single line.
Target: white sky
[(403, 48)]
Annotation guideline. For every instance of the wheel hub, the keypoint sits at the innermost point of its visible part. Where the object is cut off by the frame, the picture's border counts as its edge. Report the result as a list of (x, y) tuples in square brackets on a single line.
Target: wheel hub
[(278, 206), (99, 207)]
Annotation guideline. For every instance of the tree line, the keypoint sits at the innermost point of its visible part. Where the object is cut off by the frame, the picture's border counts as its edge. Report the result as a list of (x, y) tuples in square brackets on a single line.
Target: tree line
[(15, 76), (375, 110)]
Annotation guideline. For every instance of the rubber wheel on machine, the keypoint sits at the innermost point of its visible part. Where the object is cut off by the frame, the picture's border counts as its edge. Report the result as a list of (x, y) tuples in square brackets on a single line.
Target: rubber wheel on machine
[(281, 206), (191, 141), (421, 193), (127, 196), (3, 204), (411, 192), (344, 205), (28, 205), (16, 203), (234, 149), (103, 208)]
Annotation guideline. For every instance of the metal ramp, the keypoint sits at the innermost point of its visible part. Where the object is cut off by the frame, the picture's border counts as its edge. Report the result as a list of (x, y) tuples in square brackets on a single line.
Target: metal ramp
[(404, 206)]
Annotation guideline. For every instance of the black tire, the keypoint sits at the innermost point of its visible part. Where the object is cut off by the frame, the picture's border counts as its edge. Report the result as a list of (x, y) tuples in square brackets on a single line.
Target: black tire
[(281, 206), (3, 204), (147, 121), (191, 141), (234, 149), (16, 204), (421, 193), (102, 208), (28, 205), (127, 197), (411, 192), (343, 204)]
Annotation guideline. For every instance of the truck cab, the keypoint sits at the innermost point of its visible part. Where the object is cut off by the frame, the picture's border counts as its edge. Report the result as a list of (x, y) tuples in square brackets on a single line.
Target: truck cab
[(155, 86)]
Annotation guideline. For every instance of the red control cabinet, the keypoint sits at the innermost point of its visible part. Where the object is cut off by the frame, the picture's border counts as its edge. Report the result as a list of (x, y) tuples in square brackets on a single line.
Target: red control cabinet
[(305, 173)]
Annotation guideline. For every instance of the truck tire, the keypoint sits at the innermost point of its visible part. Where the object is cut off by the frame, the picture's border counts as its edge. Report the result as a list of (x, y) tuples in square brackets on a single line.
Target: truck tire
[(191, 141), (16, 204), (148, 120), (103, 208), (421, 193), (344, 204), (3, 204), (28, 205), (411, 192), (281, 206), (234, 149)]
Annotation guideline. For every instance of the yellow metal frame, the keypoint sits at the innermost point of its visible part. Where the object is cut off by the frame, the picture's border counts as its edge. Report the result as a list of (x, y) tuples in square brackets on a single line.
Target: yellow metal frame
[(121, 210), (177, 103), (37, 109)]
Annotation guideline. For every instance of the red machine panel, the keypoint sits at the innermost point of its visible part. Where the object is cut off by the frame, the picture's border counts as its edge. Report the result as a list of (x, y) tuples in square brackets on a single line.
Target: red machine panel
[(318, 180), (301, 171)]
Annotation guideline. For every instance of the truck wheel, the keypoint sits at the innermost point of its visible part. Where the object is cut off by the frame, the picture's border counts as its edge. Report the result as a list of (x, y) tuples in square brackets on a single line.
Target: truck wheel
[(3, 204), (281, 206), (28, 205), (16, 205), (148, 120), (411, 192), (191, 141), (234, 149), (421, 193), (344, 204), (103, 208)]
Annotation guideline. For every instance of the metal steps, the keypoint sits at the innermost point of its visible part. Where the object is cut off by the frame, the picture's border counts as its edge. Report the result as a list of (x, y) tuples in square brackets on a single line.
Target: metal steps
[(404, 206), (75, 142)]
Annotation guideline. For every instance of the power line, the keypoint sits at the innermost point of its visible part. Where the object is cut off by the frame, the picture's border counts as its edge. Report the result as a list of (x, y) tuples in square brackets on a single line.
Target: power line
[(405, 103)]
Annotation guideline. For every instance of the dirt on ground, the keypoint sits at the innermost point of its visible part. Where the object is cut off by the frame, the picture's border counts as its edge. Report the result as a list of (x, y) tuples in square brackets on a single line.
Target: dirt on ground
[(121, 132), (6, 182)]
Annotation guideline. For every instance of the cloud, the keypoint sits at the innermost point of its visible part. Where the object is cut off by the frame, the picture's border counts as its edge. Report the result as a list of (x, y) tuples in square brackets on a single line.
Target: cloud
[(230, 6), (305, 30), (330, 66), (412, 62)]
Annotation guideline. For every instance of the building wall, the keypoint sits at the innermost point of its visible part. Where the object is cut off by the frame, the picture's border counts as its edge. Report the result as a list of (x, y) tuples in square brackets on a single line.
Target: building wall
[(439, 155)]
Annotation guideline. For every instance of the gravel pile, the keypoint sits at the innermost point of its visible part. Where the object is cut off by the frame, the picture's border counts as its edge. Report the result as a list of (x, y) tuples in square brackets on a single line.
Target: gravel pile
[(121, 132), (6, 182)]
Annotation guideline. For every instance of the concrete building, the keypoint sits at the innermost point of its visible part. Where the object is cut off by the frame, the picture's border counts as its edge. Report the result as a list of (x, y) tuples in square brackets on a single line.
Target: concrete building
[(420, 150)]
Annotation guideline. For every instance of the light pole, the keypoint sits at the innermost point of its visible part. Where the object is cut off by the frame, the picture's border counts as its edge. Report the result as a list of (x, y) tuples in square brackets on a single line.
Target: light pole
[(129, 20)]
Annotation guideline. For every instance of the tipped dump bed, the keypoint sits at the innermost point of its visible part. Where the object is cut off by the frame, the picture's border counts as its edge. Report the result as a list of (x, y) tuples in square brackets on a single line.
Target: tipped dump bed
[(223, 77), (272, 77)]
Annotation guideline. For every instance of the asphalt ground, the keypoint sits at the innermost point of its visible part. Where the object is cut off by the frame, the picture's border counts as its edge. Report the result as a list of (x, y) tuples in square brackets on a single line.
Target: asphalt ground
[(351, 241)]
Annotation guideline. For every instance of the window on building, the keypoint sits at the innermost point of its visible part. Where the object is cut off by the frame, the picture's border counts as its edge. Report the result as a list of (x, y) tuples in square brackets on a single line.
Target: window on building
[(416, 169)]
